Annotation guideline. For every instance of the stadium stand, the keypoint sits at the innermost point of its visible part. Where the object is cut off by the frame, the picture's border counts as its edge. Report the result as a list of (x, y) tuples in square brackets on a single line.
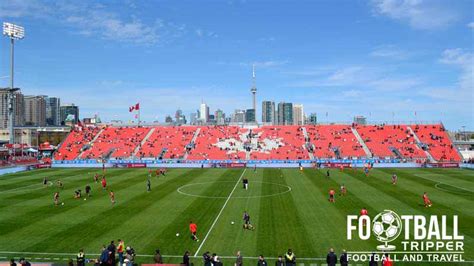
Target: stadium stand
[(391, 141), (260, 143), (75, 141), (167, 143), (334, 141), (438, 142)]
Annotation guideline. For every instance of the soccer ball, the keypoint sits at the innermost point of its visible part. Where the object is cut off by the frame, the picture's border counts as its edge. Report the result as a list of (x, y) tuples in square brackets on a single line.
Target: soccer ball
[(232, 222), (62, 203), (177, 234), (85, 199), (387, 226)]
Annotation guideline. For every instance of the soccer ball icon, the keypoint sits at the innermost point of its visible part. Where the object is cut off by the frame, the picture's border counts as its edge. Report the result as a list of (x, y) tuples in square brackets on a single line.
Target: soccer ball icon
[(387, 226)]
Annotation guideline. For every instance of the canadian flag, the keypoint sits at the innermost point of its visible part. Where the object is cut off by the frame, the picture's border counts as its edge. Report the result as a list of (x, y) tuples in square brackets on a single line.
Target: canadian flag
[(134, 107)]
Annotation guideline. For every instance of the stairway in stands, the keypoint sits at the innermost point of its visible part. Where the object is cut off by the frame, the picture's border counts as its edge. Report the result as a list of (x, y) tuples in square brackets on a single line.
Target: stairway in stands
[(420, 144), (309, 145), (362, 142), (147, 136), (89, 144), (193, 141)]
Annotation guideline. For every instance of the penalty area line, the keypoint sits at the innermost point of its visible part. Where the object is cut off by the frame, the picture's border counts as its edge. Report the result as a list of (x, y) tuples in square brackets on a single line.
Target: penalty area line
[(219, 214)]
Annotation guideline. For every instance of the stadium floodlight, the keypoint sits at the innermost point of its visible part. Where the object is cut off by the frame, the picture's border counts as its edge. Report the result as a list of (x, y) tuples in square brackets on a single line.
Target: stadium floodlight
[(14, 32)]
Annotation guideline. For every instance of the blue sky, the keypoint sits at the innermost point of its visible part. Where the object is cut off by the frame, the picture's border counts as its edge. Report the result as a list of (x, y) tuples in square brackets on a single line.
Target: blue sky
[(385, 59)]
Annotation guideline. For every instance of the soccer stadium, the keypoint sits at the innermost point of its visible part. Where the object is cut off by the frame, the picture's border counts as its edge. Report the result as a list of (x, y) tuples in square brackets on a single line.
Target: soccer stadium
[(347, 184)]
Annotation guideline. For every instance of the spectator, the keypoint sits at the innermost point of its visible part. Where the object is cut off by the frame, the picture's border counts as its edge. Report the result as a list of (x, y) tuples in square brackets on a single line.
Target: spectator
[(12, 262), (111, 248), (104, 256), (279, 261), (120, 249), (158, 259), (290, 258), (261, 261), (343, 259), (24, 262), (207, 259), (70, 262), (372, 261), (331, 258), (81, 260), (217, 260), (129, 256), (186, 258), (239, 259)]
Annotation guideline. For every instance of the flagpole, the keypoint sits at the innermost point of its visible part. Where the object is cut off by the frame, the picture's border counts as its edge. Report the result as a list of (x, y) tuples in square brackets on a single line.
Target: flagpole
[(139, 115)]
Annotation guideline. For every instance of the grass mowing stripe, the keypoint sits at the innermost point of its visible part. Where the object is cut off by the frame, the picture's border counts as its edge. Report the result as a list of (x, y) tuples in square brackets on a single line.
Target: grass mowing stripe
[(46, 204), (220, 212), (80, 234), (195, 209), (34, 179)]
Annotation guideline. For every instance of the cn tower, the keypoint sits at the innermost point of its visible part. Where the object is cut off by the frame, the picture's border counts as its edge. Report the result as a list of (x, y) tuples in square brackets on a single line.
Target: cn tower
[(254, 93)]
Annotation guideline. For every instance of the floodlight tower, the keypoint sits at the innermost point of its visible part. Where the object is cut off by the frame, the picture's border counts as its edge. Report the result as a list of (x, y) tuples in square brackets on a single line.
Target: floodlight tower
[(254, 93), (14, 32)]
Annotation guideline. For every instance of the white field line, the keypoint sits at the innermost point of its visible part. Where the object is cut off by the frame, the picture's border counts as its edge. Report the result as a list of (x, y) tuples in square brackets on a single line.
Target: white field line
[(219, 214), (439, 182)]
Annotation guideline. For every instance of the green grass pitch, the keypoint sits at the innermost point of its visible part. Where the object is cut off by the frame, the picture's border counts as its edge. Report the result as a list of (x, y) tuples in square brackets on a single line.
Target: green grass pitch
[(289, 209)]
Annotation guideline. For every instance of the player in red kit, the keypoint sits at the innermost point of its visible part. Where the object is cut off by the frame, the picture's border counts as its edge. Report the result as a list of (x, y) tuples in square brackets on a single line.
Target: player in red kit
[(331, 195), (104, 183), (193, 229), (364, 212), (426, 200)]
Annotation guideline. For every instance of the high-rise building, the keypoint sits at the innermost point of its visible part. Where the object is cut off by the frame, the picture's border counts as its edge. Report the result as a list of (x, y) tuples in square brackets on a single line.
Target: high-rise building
[(179, 117), (360, 120), (168, 119), (313, 119), (52, 111), (193, 118), (204, 113), (18, 118), (69, 113), (250, 116), (285, 113), (298, 114), (35, 110), (268, 112), (253, 90), (220, 117), (238, 116)]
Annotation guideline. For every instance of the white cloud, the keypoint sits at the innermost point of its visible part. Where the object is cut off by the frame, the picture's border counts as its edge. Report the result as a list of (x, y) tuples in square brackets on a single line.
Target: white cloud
[(390, 52), (465, 61), (419, 14)]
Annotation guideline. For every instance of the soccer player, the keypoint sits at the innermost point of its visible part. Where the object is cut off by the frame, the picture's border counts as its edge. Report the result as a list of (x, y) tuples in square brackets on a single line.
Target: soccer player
[(193, 229), (290, 258), (426, 200), (77, 194), (366, 171), (255, 168), (394, 179), (45, 181), (96, 178), (60, 184), (328, 174), (245, 182), (104, 183), (247, 224), (148, 185), (331, 195), (343, 190), (56, 198), (364, 212), (112, 197), (88, 191)]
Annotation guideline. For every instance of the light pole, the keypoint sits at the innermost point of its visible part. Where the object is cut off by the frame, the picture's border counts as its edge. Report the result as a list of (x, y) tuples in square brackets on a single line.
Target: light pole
[(14, 32)]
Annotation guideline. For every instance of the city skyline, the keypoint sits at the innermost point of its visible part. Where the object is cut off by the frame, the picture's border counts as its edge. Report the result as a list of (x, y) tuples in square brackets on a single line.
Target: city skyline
[(421, 71)]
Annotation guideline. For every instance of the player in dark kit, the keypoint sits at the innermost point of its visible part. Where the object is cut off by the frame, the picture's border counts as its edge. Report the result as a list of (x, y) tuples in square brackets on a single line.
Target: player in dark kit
[(247, 224), (245, 182), (327, 173), (88, 191), (148, 184)]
